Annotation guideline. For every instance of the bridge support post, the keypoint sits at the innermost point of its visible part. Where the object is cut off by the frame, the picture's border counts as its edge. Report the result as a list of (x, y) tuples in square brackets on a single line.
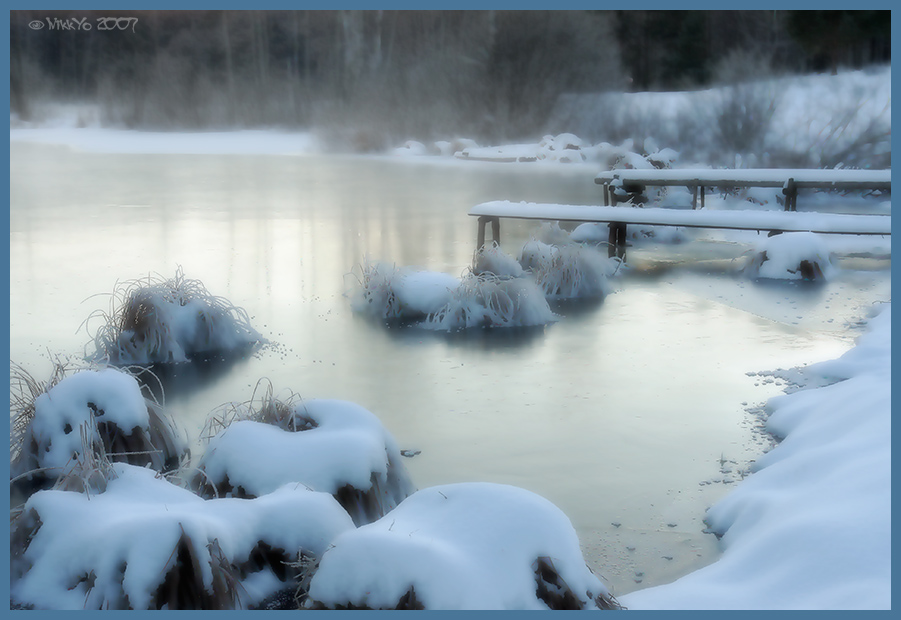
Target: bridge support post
[(495, 230), (617, 240), (791, 195)]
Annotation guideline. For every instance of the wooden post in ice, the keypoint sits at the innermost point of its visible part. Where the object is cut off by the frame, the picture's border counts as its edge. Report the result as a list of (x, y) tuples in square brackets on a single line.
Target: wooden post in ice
[(616, 240), (495, 230), (791, 195)]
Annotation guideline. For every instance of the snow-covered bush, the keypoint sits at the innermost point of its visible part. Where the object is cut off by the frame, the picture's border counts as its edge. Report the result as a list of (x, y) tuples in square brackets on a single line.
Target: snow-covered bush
[(145, 543), (332, 446), (53, 425), (389, 292), (470, 546), (791, 256), (489, 301), (168, 320)]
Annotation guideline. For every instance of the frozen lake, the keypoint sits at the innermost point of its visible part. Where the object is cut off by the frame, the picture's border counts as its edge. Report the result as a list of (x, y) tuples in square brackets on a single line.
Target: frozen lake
[(631, 415)]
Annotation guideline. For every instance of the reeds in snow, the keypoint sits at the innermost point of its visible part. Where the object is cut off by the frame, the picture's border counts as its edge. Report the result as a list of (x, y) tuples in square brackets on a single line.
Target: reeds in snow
[(487, 300), (56, 426), (155, 319)]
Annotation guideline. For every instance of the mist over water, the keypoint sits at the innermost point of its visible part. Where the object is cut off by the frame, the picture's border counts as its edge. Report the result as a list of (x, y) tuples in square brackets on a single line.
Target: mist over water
[(625, 413)]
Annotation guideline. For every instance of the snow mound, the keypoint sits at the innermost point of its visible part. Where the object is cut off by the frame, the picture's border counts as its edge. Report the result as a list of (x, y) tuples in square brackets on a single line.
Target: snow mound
[(489, 301), (168, 320), (791, 256), (145, 543), (95, 410), (333, 446), (461, 546)]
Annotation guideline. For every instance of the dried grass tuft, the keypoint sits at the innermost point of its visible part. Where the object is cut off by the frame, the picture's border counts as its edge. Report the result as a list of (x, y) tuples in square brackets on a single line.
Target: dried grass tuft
[(486, 300), (141, 327), (263, 407), (160, 447), (375, 295)]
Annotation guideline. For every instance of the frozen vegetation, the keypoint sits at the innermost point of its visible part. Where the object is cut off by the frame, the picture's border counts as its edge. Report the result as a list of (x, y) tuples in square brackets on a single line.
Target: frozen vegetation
[(168, 320), (332, 446), (145, 543), (57, 425)]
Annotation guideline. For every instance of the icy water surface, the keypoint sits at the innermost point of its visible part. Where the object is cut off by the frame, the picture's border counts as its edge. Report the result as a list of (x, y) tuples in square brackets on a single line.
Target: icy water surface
[(631, 415)]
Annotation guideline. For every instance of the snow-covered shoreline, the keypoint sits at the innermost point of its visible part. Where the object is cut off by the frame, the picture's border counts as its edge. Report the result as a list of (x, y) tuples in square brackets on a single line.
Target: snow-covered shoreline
[(811, 528)]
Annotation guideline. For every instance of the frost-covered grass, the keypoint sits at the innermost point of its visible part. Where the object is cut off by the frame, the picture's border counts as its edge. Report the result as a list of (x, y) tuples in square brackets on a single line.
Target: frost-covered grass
[(490, 259), (498, 290), (461, 546), (155, 319), (386, 291), (489, 301), (56, 425), (331, 446)]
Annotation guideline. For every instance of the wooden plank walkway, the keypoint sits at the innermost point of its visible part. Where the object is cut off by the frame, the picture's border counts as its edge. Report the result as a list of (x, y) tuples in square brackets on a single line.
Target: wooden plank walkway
[(618, 218), (634, 181)]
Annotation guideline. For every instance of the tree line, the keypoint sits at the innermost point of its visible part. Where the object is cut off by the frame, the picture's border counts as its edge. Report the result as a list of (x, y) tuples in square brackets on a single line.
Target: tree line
[(429, 74)]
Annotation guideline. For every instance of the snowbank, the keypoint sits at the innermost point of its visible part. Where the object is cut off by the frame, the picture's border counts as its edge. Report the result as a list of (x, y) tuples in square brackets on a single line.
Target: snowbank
[(461, 546), (145, 543), (811, 527)]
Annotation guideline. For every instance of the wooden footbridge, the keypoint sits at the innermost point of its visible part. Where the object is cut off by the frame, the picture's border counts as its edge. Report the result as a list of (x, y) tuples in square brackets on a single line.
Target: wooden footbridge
[(619, 218)]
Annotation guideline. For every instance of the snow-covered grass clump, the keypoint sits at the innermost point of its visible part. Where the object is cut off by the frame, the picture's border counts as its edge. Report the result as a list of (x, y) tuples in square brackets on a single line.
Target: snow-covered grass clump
[(54, 424), (564, 269), (386, 291), (491, 294), (145, 543), (490, 259), (469, 546), (791, 256), (332, 446), (490, 301), (169, 320)]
